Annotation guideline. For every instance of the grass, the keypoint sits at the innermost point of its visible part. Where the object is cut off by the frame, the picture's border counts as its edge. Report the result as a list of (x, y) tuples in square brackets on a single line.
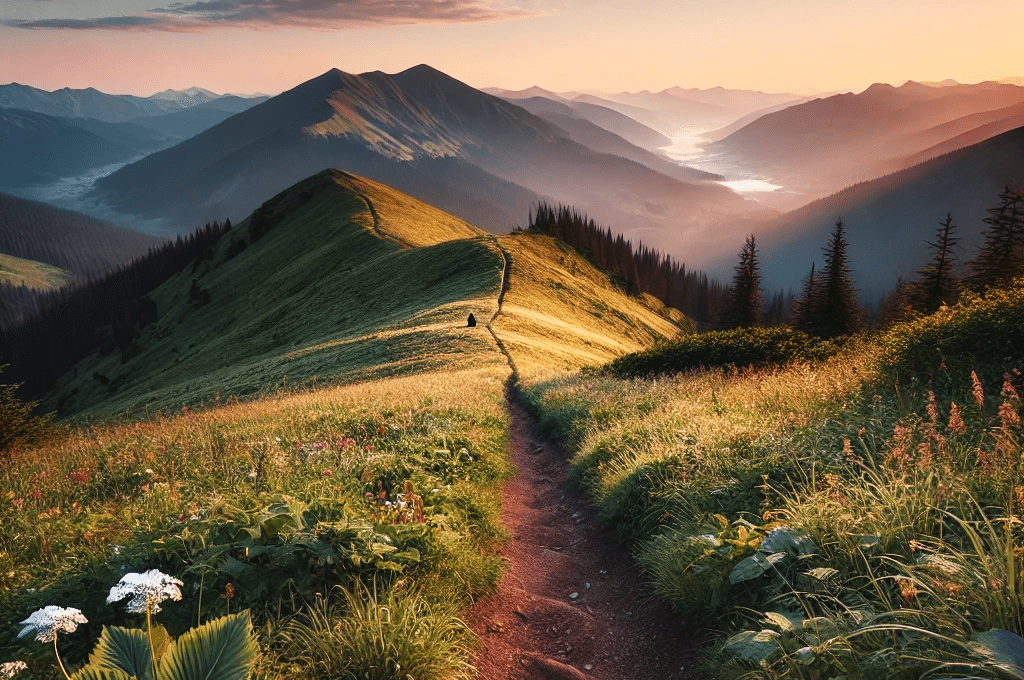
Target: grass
[(36, 275), (213, 497), (309, 432), (839, 517), (561, 313), (327, 295)]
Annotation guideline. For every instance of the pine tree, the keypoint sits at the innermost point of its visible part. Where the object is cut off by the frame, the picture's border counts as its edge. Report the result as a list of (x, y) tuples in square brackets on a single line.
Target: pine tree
[(838, 312), (804, 307), (936, 285), (745, 297), (1001, 257)]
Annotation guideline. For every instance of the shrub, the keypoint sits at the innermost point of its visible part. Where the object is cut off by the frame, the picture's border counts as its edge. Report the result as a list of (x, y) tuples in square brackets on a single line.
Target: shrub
[(741, 347), (979, 334)]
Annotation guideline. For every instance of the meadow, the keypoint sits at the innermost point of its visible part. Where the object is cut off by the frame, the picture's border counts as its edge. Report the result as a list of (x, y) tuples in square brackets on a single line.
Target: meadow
[(855, 516), (333, 501)]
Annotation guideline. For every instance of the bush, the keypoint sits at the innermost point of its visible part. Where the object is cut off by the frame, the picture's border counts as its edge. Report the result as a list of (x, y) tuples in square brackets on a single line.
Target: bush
[(979, 334), (741, 347), (17, 424)]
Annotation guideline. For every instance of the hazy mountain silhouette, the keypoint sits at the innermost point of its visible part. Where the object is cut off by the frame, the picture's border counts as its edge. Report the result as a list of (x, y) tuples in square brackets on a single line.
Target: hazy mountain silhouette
[(677, 108), (889, 218), (39, 148), (193, 120), (91, 103), (630, 129), (580, 129), (421, 131), (825, 144)]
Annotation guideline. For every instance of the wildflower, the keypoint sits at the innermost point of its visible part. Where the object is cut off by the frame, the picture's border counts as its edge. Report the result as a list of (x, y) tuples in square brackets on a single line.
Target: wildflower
[(1009, 392), (908, 590), (956, 422), (381, 431), (12, 668), (976, 390), (148, 591), (50, 620), (327, 473), (1008, 416), (933, 408), (368, 447)]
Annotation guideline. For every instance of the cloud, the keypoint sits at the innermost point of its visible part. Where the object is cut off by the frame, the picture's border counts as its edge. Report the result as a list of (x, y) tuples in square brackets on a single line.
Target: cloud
[(316, 14)]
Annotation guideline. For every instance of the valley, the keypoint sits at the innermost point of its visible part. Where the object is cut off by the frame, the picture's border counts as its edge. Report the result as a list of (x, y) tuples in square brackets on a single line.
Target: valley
[(497, 354)]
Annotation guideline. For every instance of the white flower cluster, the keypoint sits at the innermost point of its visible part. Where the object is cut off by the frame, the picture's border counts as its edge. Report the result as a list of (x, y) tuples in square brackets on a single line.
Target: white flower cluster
[(147, 590), (12, 668), (50, 620)]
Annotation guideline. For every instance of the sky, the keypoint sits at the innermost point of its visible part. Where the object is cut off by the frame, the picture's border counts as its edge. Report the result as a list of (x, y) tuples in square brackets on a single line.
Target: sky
[(246, 46)]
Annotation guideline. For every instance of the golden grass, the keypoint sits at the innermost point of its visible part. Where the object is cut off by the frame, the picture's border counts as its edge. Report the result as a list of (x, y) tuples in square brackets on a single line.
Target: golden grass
[(403, 219), (561, 313), (32, 274)]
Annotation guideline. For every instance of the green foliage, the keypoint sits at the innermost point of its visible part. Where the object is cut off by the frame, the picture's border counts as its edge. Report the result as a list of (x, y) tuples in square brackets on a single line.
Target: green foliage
[(1000, 259), (18, 425), (374, 636), (873, 533), (741, 347), (222, 649), (979, 334)]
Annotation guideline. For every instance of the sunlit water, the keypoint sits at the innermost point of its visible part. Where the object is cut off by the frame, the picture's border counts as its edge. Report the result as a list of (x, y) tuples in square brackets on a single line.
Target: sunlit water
[(689, 148)]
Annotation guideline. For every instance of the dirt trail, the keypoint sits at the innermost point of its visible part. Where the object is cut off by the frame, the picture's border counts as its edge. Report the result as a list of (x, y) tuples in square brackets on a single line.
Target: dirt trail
[(534, 627)]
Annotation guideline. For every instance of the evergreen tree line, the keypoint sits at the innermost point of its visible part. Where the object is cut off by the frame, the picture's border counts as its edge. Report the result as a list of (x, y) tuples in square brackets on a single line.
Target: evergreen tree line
[(102, 313), (82, 245), (640, 269), (18, 303), (828, 305)]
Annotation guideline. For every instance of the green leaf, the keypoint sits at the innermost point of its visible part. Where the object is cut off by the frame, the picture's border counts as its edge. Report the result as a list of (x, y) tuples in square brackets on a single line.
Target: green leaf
[(1003, 648), (91, 672), (784, 622), (223, 649), (754, 646), (754, 566), (125, 650)]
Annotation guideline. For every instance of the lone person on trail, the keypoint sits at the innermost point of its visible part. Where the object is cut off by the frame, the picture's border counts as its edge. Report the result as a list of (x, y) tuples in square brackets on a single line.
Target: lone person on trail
[(472, 321)]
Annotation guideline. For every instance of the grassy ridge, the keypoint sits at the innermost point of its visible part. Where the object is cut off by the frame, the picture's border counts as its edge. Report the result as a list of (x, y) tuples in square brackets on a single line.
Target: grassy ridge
[(331, 292), (855, 517), (561, 313), (35, 275)]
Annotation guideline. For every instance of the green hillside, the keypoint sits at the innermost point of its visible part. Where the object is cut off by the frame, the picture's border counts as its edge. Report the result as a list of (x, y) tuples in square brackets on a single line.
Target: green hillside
[(36, 275), (351, 280)]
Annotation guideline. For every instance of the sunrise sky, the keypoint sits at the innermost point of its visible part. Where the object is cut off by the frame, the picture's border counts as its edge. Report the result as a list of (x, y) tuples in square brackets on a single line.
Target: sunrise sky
[(806, 46)]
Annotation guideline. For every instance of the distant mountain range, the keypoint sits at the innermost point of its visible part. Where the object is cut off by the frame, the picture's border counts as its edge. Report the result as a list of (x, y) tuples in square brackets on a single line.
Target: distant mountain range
[(427, 134), (538, 101), (39, 148), (50, 135), (889, 218), (112, 108), (823, 145)]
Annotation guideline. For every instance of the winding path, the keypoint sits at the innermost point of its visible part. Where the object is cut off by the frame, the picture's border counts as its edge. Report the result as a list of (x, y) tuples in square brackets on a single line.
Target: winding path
[(572, 604)]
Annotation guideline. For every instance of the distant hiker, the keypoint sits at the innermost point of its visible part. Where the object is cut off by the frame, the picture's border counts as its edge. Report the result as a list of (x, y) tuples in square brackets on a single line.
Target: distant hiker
[(472, 321)]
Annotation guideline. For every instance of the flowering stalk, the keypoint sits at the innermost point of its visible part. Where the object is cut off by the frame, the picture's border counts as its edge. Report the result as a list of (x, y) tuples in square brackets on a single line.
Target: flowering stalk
[(47, 622), (59, 662)]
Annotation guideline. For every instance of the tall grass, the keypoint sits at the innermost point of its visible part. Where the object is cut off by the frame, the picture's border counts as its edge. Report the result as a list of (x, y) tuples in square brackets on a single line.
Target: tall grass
[(392, 483), (852, 517)]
